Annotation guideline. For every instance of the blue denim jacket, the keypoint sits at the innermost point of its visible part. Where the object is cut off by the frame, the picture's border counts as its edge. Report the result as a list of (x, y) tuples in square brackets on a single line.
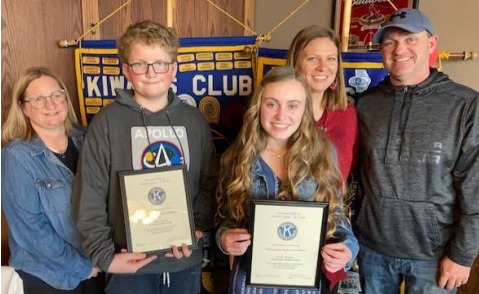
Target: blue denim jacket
[(36, 193)]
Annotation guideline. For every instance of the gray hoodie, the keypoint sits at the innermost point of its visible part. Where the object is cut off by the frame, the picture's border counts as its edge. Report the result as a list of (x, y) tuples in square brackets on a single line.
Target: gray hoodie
[(117, 141), (419, 159)]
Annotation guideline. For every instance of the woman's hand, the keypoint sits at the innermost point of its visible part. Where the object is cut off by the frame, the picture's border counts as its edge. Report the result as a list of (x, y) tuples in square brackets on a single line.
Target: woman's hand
[(128, 262), (94, 272), (335, 256), (235, 241)]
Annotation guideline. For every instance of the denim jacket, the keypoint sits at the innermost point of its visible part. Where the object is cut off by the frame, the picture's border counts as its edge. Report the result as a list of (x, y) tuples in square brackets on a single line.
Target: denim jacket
[(36, 200), (306, 189)]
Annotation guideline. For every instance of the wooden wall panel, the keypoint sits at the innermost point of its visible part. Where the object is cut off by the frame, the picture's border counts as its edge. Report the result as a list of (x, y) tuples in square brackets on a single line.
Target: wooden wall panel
[(30, 31), (136, 10), (197, 18)]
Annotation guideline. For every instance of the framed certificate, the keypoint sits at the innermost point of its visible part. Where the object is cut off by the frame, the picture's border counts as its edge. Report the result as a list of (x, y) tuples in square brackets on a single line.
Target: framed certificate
[(157, 209), (286, 244)]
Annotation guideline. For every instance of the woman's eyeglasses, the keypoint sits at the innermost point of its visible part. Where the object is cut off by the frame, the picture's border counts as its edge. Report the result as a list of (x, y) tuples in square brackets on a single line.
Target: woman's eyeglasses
[(38, 102)]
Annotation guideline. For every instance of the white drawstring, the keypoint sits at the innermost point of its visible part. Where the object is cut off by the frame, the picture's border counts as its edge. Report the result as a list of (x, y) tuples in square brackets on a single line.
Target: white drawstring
[(166, 279)]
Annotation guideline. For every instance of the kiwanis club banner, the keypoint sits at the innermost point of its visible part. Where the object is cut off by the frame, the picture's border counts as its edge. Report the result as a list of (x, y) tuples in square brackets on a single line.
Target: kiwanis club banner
[(217, 75), (214, 74)]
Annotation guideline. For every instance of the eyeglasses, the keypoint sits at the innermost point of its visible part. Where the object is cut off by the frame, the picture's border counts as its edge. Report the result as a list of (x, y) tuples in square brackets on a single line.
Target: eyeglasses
[(38, 102), (159, 67)]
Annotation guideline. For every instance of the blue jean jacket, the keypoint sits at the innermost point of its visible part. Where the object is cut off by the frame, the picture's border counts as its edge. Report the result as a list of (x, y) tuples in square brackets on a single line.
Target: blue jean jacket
[(36, 193)]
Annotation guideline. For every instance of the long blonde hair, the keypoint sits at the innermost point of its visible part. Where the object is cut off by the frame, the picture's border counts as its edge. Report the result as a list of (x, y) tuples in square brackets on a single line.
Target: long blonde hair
[(17, 125), (337, 98), (308, 156)]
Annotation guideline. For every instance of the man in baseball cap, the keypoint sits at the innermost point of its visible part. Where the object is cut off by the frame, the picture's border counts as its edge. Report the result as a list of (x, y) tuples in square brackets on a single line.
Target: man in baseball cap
[(411, 20), (418, 133)]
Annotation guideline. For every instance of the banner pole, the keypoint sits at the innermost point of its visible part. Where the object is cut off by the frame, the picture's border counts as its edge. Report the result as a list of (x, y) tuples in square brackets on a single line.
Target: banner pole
[(346, 24), (169, 13)]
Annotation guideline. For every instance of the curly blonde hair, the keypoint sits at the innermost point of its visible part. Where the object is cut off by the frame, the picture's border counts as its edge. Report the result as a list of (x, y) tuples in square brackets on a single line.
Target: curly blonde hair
[(335, 99), (17, 125), (309, 155)]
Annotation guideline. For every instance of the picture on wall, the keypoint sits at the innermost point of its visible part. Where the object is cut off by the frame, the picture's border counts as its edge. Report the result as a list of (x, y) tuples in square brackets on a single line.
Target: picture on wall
[(366, 17)]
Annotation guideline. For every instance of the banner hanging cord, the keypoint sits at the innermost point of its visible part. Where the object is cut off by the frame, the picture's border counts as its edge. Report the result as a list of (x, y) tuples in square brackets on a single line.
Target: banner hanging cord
[(286, 18), (266, 37), (232, 17), (66, 43)]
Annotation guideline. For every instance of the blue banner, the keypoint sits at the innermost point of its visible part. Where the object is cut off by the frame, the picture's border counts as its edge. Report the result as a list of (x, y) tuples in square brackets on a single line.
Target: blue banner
[(217, 75), (214, 74)]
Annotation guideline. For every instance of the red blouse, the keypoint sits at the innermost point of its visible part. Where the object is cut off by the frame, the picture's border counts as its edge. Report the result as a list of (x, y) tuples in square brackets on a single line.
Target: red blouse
[(341, 128)]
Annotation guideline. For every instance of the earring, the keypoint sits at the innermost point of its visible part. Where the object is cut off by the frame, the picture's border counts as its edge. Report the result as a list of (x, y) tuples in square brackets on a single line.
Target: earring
[(334, 85)]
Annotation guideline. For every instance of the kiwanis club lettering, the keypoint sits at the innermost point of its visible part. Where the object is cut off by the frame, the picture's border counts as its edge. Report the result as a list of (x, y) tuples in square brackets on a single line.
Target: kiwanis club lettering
[(234, 85)]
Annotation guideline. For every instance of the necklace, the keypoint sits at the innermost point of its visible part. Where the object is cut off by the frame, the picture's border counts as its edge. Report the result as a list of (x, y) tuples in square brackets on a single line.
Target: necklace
[(60, 153), (276, 153)]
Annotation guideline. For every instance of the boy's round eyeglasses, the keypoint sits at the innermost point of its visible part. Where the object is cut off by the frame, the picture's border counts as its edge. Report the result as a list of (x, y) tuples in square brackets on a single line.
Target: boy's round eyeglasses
[(159, 67), (38, 102)]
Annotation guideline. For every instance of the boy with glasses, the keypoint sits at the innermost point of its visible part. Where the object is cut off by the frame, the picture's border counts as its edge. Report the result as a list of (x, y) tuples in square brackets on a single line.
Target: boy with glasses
[(147, 127)]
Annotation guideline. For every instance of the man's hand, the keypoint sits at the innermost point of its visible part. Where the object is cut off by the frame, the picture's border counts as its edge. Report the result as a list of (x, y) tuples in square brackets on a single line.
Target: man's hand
[(452, 275), (185, 251)]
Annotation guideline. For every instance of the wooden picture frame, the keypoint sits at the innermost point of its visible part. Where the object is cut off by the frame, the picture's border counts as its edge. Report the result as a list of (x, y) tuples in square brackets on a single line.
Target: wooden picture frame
[(365, 20)]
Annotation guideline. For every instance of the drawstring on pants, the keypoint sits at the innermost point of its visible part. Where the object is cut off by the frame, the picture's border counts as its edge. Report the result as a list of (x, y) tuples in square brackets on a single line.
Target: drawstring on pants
[(166, 279)]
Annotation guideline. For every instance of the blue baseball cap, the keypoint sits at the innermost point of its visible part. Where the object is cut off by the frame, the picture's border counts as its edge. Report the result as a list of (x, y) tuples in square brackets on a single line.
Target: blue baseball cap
[(408, 19)]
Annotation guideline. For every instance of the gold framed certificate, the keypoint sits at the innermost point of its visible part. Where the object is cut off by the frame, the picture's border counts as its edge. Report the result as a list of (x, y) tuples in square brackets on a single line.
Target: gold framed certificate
[(157, 209), (286, 244)]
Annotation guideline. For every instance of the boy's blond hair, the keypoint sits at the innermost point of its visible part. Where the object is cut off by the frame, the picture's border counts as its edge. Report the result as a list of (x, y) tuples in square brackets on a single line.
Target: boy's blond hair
[(149, 33)]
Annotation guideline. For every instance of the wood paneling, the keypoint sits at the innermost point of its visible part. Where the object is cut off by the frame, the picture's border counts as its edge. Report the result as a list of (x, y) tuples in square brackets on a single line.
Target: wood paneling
[(197, 18), (30, 32), (90, 19), (135, 11)]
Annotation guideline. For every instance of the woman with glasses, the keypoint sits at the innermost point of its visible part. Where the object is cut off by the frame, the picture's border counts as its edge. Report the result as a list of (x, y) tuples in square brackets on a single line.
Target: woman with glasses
[(41, 146)]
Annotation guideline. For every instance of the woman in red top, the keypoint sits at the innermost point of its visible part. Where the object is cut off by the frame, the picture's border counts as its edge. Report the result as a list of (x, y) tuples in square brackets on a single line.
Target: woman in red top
[(315, 52)]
